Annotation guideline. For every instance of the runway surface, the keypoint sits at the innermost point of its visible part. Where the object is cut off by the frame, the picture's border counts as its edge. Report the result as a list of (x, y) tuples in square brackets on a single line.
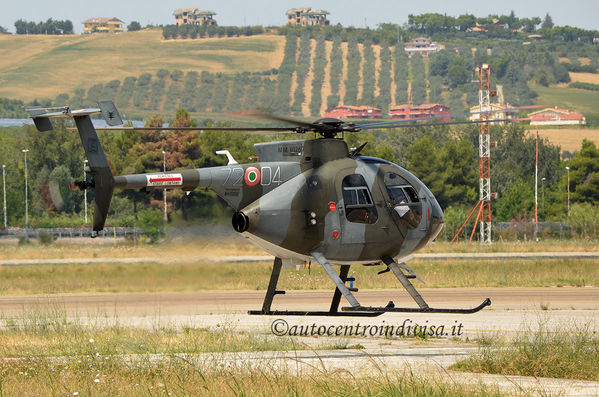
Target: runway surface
[(269, 258), (514, 311)]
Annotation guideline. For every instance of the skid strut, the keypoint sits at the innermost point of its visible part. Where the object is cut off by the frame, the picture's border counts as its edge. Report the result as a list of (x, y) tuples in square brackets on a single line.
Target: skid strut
[(423, 307), (333, 310)]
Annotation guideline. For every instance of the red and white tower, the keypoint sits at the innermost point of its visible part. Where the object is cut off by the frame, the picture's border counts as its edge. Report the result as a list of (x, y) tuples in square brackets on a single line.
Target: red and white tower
[(484, 150)]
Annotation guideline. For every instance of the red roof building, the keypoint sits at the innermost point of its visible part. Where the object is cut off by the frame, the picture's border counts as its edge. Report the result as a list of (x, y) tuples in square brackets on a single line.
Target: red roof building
[(555, 116), (412, 111), (354, 112)]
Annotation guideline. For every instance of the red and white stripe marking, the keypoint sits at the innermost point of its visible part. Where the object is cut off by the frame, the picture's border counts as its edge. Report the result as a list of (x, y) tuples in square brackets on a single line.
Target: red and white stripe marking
[(164, 180)]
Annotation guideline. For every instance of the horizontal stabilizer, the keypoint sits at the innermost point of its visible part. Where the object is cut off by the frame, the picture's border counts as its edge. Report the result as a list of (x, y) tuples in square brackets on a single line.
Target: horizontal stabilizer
[(41, 116), (42, 124)]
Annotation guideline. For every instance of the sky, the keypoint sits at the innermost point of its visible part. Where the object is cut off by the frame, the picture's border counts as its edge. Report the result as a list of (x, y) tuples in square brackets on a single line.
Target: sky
[(579, 13)]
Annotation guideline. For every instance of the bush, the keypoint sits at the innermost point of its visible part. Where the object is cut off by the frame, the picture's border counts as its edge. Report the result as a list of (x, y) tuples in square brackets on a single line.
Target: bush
[(45, 238), (151, 224)]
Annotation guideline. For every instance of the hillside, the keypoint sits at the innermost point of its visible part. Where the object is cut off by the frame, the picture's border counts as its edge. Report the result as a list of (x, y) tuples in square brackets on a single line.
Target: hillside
[(302, 74), (41, 66)]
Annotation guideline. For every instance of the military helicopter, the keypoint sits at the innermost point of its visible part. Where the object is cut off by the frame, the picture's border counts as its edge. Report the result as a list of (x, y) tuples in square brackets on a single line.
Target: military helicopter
[(304, 200)]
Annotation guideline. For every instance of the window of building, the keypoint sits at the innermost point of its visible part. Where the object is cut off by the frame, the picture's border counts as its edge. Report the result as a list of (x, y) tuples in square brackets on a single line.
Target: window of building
[(359, 206)]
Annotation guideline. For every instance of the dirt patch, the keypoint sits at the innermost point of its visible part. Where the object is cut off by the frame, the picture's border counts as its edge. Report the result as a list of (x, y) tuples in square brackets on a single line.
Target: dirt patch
[(344, 74), (377, 69), (569, 139), (326, 85), (592, 78)]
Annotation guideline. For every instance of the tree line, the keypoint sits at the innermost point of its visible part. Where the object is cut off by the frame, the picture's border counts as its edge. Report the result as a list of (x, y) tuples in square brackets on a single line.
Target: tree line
[(443, 157), (50, 27), (201, 31)]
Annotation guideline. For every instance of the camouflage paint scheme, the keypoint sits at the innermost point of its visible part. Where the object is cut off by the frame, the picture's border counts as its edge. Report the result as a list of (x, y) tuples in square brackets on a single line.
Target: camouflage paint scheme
[(305, 199), (288, 211)]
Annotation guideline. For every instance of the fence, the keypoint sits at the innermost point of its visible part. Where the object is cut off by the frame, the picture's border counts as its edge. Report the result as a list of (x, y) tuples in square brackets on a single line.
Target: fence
[(70, 232)]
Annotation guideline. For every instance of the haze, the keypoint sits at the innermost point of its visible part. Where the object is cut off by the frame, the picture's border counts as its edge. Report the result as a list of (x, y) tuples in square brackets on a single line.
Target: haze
[(580, 13)]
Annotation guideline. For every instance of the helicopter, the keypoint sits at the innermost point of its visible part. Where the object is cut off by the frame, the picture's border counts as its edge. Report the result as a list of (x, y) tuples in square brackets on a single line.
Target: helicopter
[(302, 201)]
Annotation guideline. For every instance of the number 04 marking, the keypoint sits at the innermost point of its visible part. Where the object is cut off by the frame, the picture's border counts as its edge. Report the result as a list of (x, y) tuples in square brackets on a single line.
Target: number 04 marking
[(268, 177)]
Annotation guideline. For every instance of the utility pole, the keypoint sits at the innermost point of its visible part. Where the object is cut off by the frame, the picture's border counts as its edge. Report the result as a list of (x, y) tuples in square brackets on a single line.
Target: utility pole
[(537, 189), (26, 201), (164, 190), (85, 190), (4, 184), (543, 195), (568, 168)]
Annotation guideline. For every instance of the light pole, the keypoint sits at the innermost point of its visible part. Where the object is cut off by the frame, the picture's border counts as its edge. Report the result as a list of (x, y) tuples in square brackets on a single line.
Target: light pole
[(164, 190), (568, 168), (85, 190), (4, 185), (25, 151), (543, 194)]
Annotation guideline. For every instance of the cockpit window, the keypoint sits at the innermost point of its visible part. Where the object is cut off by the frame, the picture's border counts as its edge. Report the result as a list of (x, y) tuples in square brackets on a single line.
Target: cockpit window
[(404, 199), (357, 199)]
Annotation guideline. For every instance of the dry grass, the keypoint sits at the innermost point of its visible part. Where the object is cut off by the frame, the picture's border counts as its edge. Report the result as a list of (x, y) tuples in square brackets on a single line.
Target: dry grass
[(38, 332), (35, 66), (187, 269), (55, 279), (45, 354), (592, 78), (571, 352), (569, 139), (189, 376)]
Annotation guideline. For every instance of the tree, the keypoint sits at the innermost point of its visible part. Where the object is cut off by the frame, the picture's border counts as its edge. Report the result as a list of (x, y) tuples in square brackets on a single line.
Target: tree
[(584, 173), (517, 199), (3, 30), (457, 75), (133, 26), (547, 22)]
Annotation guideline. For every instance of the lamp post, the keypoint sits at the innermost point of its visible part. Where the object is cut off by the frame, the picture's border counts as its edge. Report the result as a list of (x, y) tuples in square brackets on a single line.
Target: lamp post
[(25, 151), (4, 185), (568, 168), (164, 190), (543, 195), (85, 190)]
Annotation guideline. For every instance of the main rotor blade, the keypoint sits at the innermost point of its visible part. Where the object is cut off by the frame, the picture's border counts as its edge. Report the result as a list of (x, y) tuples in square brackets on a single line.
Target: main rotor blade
[(373, 127), (255, 129), (441, 116), (289, 120)]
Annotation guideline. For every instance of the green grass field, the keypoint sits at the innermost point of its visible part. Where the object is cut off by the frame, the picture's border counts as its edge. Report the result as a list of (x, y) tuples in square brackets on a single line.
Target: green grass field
[(43, 66), (569, 98)]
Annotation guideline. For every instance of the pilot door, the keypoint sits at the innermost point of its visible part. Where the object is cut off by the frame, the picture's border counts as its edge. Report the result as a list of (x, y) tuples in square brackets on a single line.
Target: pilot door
[(404, 203)]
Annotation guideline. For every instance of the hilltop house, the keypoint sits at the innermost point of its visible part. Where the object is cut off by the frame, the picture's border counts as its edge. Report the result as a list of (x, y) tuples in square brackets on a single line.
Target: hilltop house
[(307, 17), (500, 111), (193, 16), (421, 45), (421, 111), (555, 116), (353, 112), (103, 25)]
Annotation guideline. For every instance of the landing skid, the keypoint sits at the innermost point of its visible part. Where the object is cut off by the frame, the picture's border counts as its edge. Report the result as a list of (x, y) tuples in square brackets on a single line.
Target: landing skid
[(333, 311), (380, 310), (317, 313), (355, 310)]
